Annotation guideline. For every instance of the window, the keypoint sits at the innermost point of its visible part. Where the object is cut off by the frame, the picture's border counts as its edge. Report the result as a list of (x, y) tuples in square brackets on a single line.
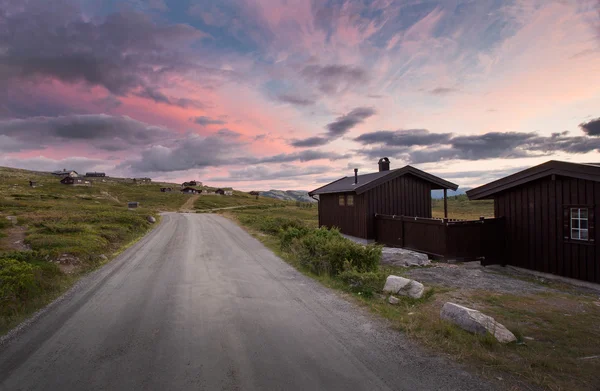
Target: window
[(350, 200), (579, 224), (341, 200)]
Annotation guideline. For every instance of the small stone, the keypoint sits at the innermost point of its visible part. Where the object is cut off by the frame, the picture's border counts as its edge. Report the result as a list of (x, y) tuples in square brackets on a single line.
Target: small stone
[(393, 300), (151, 219), (103, 257), (403, 286)]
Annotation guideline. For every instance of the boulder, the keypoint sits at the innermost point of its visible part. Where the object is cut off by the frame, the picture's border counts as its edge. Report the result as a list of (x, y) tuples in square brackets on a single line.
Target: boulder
[(151, 219), (403, 257), (403, 286), (476, 322), (393, 300)]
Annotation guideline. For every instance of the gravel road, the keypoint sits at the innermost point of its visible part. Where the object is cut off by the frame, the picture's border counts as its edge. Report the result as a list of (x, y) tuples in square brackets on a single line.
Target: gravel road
[(198, 304)]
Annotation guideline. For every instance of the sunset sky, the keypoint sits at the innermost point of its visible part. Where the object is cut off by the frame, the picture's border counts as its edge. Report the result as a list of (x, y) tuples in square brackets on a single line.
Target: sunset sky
[(284, 94)]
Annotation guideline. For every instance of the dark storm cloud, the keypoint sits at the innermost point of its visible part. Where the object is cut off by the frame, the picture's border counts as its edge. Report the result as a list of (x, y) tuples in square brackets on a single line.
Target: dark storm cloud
[(203, 120), (346, 122), (332, 79), (408, 137), (474, 147), (592, 127), (98, 130), (309, 142), (337, 128), (303, 156), (121, 53), (295, 100), (263, 173), (442, 91)]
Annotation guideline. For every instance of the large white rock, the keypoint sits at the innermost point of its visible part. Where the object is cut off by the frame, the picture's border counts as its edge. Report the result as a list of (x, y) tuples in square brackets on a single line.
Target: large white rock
[(403, 257), (393, 300), (403, 286), (475, 322)]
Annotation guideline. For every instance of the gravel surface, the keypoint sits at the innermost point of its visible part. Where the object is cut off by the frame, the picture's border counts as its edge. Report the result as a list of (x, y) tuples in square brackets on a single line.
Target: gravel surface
[(473, 276), (199, 304)]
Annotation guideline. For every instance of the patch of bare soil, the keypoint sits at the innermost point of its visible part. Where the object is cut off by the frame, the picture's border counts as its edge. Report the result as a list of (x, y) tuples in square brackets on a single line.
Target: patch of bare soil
[(188, 206), (14, 239), (473, 276), (68, 264)]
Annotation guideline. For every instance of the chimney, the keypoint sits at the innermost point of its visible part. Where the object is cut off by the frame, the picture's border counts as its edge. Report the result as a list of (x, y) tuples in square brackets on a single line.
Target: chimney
[(384, 164), (356, 176)]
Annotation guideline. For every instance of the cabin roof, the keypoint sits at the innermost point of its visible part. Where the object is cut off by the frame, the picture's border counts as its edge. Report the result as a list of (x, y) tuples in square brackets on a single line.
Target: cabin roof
[(368, 181), (587, 171)]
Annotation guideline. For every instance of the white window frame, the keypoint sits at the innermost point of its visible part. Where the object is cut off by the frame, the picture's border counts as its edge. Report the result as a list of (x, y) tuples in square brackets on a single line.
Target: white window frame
[(576, 232)]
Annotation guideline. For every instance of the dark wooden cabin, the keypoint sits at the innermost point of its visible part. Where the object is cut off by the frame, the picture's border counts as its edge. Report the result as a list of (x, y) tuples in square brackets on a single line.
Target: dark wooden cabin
[(190, 190), (549, 213), (95, 174), (350, 203), (220, 191)]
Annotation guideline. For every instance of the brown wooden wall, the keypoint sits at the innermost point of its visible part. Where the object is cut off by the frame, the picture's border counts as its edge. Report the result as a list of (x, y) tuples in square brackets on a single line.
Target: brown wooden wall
[(351, 220), (406, 195), (535, 225)]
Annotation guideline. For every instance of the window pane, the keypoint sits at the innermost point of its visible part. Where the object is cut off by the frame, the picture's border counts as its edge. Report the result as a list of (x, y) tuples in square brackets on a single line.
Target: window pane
[(574, 213), (583, 234), (574, 234), (574, 223), (583, 224), (341, 200), (350, 200), (583, 213)]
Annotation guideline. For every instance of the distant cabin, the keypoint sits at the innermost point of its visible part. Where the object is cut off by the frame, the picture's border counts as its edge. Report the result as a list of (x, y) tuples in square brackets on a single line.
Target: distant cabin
[(166, 189), (254, 193), (75, 181), (190, 190), (65, 172), (220, 191), (550, 218), (142, 181), (191, 183), (351, 203), (32, 184), (228, 192), (95, 174)]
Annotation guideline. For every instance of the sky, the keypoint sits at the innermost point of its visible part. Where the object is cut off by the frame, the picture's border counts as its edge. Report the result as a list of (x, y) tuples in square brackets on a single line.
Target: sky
[(290, 94)]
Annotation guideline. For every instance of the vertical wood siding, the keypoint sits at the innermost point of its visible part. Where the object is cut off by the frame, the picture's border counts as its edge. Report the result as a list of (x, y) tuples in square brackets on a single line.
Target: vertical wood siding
[(535, 227), (406, 195)]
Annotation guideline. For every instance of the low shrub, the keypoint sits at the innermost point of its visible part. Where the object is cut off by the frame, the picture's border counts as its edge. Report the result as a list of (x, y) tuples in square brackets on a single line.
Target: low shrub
[(17, 282), (287, 236), (326, 251), (366, 283)]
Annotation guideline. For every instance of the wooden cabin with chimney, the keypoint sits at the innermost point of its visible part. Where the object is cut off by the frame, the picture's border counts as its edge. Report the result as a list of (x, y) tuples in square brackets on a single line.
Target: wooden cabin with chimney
[(351, 203), (75, 181), (550, 218)]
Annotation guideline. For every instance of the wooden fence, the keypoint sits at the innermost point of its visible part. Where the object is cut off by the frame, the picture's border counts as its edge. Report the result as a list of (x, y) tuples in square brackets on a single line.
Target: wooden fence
[(450, 239)]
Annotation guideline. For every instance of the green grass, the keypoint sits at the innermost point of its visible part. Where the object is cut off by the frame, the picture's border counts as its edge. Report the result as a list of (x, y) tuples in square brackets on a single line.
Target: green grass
[(555, 331), (459, 207), (85, 222), (237, 199)]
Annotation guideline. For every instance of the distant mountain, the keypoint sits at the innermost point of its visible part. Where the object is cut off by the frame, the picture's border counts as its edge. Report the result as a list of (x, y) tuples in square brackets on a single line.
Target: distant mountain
[(437, 194), (288, 195)]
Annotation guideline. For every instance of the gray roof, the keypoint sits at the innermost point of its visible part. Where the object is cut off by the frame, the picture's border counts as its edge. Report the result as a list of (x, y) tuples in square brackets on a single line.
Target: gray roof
[(369, 181)]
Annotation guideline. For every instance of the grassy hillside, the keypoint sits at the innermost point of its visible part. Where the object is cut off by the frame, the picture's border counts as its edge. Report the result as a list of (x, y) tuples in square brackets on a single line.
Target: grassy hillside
[(238, 198), (459, 207), (288, 195), (58, 232)]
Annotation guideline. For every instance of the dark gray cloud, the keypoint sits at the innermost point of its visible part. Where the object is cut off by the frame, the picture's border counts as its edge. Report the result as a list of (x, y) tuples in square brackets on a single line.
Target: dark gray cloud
[(404, 137), (100, 131), (303, 156), (592, 127), (337, 128), (296, 100), (443, 90), (332, 79), (309, 142), (124, 52), (346, 122), (264, 173), (203, 120), (228, 133), (476, 147)]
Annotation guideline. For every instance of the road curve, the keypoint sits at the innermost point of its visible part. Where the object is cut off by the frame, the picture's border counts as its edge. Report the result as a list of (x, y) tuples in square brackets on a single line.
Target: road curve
[(198, 304)]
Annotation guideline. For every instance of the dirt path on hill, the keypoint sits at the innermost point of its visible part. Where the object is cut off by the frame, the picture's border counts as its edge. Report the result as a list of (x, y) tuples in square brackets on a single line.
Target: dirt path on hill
[(188, 206)]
